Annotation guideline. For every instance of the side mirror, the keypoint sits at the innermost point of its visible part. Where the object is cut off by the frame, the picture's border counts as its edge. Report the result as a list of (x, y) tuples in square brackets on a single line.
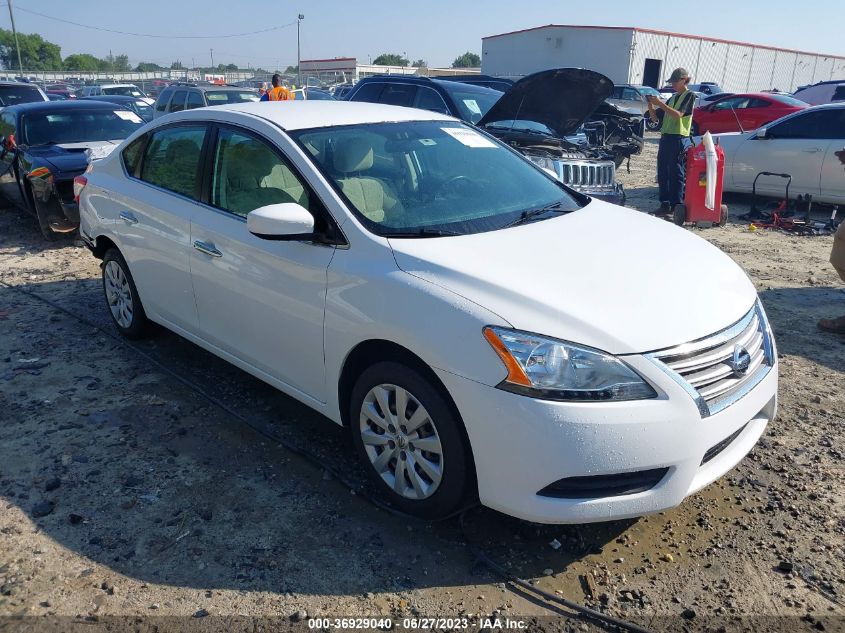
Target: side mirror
[(763, 133), (287, 221)]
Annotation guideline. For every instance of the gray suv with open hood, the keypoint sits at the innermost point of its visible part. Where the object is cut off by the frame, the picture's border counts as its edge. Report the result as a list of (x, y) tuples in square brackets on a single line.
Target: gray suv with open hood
[(557, 118)]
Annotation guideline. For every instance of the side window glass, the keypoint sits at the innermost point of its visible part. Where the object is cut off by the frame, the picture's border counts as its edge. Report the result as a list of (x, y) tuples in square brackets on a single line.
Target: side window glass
[(7, 124), (163, 98), (177, 104), (398, 95), (172, 158), (132, 155), (369, 92), (820, 124), (428, 99), (194, 101), (758, 103), (248, 175)]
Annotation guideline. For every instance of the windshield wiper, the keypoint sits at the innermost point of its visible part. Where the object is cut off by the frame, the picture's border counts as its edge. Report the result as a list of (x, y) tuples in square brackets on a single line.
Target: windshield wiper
[(525, 216), (423, 232)]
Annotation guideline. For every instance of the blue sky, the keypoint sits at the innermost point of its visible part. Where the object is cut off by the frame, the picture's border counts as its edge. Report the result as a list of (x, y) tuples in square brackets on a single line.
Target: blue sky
[(434, 30)]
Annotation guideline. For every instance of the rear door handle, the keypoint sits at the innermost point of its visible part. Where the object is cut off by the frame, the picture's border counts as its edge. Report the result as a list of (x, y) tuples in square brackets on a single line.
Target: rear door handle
[(208, 249), (128, 217)]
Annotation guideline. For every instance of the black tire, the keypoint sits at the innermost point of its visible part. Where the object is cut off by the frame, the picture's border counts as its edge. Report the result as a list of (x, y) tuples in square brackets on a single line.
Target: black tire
[(44, 212), (679, 214), (454, 483), (651, 126), (138, 325), (694, 130), (723, 215)]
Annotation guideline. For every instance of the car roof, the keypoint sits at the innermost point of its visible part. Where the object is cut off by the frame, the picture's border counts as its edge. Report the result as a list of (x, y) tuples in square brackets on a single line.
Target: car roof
[(55, 106), (301, 115), (186, 86), (112, 98), (116, 86), (19, 83)]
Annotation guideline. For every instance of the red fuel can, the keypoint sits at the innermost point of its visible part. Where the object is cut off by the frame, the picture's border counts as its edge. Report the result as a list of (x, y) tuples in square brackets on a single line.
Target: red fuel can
[(695, 189)]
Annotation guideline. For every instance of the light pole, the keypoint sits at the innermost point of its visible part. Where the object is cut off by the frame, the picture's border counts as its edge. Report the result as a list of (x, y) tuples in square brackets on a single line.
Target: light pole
[(211, 50), (15, 32), (299, 19)]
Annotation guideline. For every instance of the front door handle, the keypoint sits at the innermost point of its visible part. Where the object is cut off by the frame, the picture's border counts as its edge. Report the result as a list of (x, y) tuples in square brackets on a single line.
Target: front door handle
[(128, 217), (208, 249), (813, 150)]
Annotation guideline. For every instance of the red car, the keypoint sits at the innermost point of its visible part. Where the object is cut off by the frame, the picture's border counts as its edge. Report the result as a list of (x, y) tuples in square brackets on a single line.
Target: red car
[(751, 110)]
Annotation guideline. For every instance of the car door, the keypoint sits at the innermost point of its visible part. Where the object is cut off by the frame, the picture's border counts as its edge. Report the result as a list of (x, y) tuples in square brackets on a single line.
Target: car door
[(722, 118), (151, 214), (757, 112), (177, 103), (832, 184), (8, 157), (260, 301), (794, 146)]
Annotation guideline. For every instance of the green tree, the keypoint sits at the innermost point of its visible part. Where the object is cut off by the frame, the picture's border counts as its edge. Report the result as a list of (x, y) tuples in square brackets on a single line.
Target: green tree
[(390, 59), (420, 63), (147, 67), (177, 65), (467, 60), (82, 61), (291, 70), (36, 52), (121, 64)]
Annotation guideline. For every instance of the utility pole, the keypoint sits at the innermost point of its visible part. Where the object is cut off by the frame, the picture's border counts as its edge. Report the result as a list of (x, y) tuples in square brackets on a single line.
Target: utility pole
[(15, 32), (211, 50), (299, 19)]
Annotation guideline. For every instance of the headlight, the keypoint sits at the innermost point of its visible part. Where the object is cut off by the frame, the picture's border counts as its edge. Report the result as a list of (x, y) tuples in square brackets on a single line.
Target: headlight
[(546, 368)]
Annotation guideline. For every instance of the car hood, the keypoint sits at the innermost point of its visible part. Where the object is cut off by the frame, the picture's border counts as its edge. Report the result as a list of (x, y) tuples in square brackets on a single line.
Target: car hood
[(561, 99), (74, 156), (604, 276)]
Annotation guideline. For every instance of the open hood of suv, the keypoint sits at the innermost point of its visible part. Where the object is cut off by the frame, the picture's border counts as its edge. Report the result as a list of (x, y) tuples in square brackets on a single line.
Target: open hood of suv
[(561, 99)]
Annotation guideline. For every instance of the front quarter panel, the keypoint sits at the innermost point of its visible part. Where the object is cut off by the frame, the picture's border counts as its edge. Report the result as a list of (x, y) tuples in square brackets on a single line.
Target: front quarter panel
[(369, 298)]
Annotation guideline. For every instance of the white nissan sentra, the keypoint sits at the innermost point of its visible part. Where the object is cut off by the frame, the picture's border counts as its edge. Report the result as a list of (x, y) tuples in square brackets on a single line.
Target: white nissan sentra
[(480, 329)]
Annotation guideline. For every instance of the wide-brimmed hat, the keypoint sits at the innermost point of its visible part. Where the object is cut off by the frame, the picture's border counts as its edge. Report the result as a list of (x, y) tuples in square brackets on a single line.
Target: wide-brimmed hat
[(677, 74)]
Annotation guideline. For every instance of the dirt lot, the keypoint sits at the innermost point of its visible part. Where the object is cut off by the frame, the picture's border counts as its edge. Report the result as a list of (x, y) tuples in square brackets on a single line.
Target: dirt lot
[(126, 492)]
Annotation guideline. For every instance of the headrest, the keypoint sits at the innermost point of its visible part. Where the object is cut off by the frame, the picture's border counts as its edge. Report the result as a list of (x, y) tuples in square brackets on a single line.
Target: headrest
[(353, 154), (247, 164)]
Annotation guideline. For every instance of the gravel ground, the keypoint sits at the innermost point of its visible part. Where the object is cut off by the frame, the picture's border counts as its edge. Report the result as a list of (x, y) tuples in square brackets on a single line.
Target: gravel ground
[(128, 498)]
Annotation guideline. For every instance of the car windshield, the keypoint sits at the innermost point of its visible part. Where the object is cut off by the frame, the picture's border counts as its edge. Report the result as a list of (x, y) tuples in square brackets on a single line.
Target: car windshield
[(647, 90), (219, 97), (473, 104), (426, 178), (787, 100), (78, 126), (12, 95), (144, 109), (125, 91)]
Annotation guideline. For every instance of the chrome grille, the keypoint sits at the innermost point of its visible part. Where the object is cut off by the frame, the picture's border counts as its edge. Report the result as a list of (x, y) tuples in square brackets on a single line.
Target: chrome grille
[(708, 367), (585, 174)]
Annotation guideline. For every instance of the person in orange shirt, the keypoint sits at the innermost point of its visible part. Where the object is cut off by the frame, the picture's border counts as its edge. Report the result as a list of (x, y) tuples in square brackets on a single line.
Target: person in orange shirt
[(278, 92)]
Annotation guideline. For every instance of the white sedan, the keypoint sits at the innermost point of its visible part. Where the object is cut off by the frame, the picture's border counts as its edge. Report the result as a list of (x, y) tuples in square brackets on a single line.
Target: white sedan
[(481, 330), (808, 145)]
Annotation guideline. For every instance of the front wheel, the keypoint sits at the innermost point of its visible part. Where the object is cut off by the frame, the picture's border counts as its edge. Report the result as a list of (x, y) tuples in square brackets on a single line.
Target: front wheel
[(410, 441), (125, 307), (652, 126)]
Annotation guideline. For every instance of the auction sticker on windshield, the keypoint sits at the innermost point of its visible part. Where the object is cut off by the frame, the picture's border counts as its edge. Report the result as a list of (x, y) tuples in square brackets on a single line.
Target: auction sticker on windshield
[(472, 106), (128, 116), (468, 137)]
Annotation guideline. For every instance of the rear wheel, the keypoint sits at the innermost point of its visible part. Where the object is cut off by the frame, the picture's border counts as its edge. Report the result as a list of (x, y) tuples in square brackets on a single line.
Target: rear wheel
[(410, 441), (125, 307), (46, 213)]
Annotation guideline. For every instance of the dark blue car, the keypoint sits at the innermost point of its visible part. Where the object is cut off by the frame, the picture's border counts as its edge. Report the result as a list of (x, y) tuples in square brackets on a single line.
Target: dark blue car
[(44, 146)]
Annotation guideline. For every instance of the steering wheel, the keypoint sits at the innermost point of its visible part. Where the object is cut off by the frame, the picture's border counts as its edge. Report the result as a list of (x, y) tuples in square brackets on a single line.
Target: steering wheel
[(456, 185)]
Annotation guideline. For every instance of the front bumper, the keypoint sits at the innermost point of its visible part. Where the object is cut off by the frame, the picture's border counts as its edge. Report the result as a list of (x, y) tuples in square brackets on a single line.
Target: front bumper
[(522, 445), (616, 195)]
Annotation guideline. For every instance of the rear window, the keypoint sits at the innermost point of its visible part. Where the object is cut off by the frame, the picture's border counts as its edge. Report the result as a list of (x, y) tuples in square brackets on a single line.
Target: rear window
[(787, 100), (125, 91), (79, 126), (219, 97), (13, 95)]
